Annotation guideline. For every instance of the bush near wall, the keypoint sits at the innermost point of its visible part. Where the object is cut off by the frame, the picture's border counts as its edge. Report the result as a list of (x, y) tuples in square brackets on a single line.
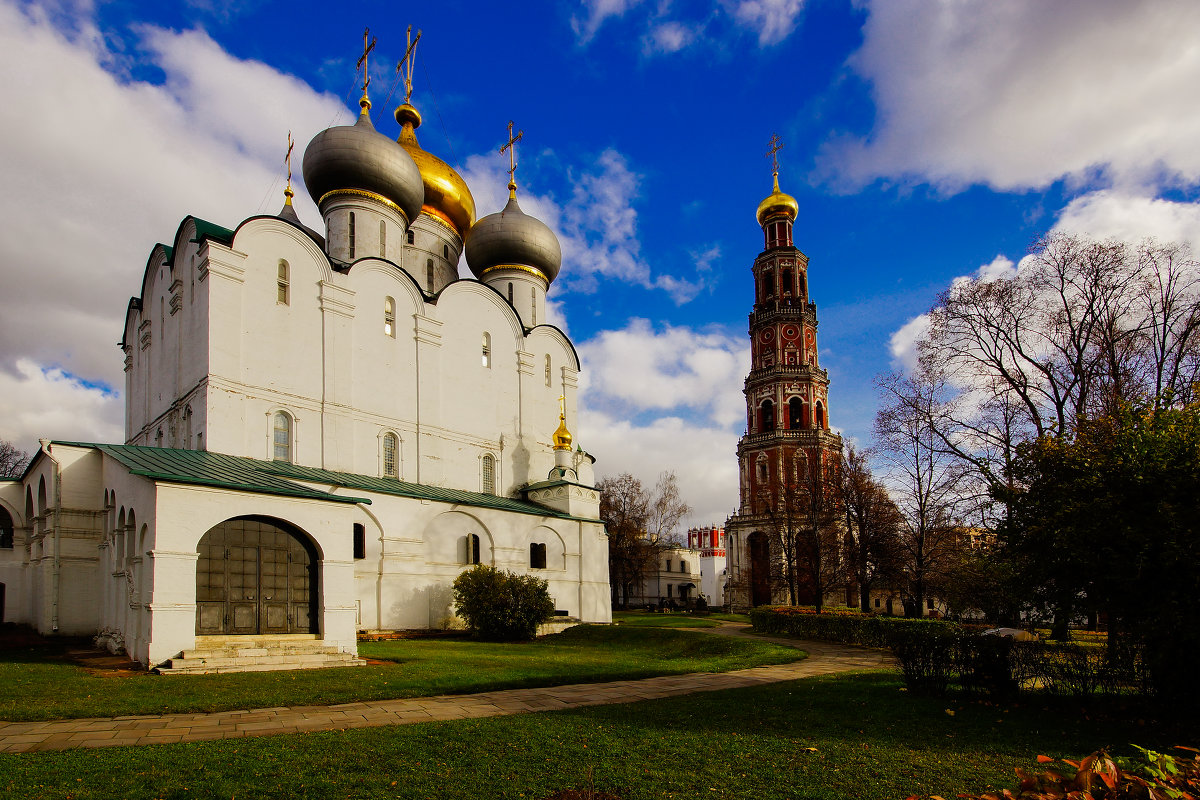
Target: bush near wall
[(936, 654)]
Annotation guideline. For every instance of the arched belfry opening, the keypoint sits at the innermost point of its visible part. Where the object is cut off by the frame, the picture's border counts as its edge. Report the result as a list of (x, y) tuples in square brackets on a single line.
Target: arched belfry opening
[(256, 575)]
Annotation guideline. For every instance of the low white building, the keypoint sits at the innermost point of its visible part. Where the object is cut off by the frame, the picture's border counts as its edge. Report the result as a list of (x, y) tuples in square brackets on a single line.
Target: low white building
[(322, 429), (709, 541)]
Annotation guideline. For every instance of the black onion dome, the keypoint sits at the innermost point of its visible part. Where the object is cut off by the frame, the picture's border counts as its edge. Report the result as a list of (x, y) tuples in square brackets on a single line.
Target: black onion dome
[(512, 237), (359, 157)]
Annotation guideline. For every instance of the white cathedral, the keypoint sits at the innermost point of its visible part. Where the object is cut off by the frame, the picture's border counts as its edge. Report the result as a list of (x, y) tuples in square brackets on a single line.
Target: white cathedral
[(321, 430)]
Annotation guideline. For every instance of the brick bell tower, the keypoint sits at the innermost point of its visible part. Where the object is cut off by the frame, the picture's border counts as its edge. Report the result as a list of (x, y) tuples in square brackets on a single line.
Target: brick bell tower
[(787, 400)]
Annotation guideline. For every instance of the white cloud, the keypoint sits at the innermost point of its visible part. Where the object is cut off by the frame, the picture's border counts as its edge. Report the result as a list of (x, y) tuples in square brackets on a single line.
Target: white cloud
[(597, 12), (639, 368), (1110, 214), (597, 227), (1021, 93), (669, 37), (773, 20), (36, 402), (903, 343), (703, 458), (104, 166)]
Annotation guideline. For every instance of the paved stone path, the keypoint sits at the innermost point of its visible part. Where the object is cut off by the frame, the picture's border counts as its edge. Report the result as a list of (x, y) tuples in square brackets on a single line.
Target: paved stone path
[(823, 659)]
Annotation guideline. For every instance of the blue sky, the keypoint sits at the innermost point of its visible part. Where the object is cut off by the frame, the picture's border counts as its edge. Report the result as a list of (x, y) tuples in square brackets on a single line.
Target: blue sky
[(924, 141)]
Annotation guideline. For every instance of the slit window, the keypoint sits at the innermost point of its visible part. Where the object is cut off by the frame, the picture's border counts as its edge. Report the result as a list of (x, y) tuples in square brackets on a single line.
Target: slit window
[(488, 474), (382, 238), (282, 437), (549, 371), (510, 294), (351, 232), (391, 448), (360, 541), (412, 238), (389, 316), (429, 274), (472, 543), (283, 284), (486, 350), (537, 555), (446, 252), (532, 306)]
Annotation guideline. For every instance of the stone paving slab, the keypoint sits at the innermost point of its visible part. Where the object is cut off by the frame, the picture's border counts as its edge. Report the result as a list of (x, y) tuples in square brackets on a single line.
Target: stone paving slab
[(823, 659)]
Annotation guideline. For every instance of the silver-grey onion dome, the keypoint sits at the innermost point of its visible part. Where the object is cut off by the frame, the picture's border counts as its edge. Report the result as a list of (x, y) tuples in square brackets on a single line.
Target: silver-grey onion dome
[(359, 157), (513, 237)]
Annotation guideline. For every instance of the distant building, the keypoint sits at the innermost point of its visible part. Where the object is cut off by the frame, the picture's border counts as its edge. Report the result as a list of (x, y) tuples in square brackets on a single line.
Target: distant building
[(710, 542)]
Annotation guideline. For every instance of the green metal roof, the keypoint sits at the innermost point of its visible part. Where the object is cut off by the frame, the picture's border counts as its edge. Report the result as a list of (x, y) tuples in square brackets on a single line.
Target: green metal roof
[(210, 230), (203, 468)]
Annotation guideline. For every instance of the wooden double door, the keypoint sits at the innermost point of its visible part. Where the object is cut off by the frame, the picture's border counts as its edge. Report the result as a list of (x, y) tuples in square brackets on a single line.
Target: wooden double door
[(255, 576)]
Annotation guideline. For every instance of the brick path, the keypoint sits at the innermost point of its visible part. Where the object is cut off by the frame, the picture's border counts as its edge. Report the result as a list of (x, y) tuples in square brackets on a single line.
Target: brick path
[(823, 659)]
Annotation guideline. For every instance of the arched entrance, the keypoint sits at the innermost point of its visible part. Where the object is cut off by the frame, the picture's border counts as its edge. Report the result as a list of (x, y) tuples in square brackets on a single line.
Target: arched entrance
[(760, 568), (255, 575)]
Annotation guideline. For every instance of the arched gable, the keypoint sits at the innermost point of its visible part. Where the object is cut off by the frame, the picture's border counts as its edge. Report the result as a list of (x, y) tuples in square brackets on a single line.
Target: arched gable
[(554, 334), (449, 298), (280, 227), (401, 282), (444, 538)]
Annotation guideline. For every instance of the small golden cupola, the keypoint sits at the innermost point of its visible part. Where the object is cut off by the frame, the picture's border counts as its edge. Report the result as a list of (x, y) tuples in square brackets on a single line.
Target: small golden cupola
[(778, 210), (562, 436)]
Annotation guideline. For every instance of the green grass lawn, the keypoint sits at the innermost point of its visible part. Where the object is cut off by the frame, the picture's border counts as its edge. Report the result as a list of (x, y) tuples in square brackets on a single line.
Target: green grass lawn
[(36, 686), (832, 738), (646, 619)]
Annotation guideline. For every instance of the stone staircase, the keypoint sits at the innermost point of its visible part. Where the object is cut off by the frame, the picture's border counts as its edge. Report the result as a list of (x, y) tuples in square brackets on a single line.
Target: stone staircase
[(215, 654)]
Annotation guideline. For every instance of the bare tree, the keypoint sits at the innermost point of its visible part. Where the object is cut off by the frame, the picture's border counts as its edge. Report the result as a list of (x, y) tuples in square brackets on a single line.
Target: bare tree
[(927, 483), (872, 525), (637, 523), (13, 460)]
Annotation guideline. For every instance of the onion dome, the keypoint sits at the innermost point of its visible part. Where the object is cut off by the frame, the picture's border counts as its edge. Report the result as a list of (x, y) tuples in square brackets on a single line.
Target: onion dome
[(562, 436), (447, 197), (511, 239), (358, 160), (777, 203)]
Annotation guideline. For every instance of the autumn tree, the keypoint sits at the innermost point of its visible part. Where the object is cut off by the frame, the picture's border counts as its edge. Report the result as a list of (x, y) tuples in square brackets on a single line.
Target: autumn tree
[(930, 487), (637, 521), (13, 460), (801, 505), (872, 525)]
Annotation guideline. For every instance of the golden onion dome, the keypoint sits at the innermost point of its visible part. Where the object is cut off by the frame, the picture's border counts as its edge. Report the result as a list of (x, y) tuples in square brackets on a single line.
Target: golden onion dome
[(562, 436), (777, 203), (447, 198)]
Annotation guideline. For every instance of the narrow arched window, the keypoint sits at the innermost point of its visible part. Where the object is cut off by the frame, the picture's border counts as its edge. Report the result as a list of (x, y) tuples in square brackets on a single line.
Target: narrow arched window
[(6, 530), (282, 437), (360, 540), (446, 252), (283, 284), (486, 356), (382, 238), (411, 237), (158, 438), (766, 418), (187, 428), (429, 274), (532, 306), (683, 567), (819, 415), (787, 282), (351, 232), (389, 316), (768, 284), (537, 555), (488, 474), (549, 371), (761, 468), (391, 463), (510, 294), (795, 413), (472, 547)]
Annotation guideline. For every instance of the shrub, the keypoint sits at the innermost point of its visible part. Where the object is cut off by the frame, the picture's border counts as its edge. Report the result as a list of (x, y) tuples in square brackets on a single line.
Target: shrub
[(502, 605), (1100, 777)]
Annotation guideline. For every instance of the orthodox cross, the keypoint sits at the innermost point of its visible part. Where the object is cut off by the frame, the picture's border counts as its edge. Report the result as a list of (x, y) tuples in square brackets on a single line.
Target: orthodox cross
[(562, 406), (510, 147), (368, 46), (773, 153), (288, 160), (405, 64)]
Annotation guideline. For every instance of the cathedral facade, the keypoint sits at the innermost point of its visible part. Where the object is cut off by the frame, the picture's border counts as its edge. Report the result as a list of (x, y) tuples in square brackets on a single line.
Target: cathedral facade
[(323, 428), (788, 454)]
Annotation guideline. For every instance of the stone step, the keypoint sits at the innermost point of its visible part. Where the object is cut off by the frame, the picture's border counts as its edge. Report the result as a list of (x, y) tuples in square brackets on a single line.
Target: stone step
[(184, 667), (252, 652)]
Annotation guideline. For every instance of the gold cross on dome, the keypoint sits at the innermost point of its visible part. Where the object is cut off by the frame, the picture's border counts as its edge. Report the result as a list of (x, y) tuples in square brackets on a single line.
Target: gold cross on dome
[(773, 153), (288, 159), (405, 64), (368, 46), (510, 147), (562, 405)]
